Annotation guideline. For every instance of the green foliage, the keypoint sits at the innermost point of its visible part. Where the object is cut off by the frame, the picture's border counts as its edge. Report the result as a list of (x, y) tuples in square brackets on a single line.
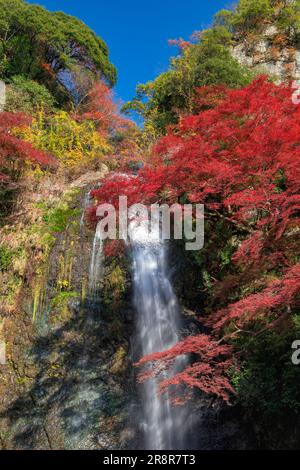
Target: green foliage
[(289, 19), (226, 255), (7, 199), (58, 219), (224, 18), (114, 287), (252, 16), (60, 300), (207, 62), (6, 257), (60, 311), (75, 143), (43, 46), (268, 382), (214, 63), (250, 13), (28, 96), (280, 182), (218, 249)]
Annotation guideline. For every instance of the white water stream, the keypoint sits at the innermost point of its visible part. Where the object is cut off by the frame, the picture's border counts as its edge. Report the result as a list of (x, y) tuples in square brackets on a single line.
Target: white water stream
[(158, 326), (96, 265)]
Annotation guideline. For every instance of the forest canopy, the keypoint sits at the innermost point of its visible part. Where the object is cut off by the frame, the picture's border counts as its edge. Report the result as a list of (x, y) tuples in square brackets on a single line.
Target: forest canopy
[(49, 46)]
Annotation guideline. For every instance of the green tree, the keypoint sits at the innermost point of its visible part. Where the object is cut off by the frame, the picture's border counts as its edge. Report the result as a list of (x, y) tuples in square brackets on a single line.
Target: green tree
[(252, 16), (28, 96), (46, 46), (207, 62)]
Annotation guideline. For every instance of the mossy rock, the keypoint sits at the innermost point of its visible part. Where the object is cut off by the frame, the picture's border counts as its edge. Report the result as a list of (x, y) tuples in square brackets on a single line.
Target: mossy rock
[(6, 257), (60, 307), (119, 362)]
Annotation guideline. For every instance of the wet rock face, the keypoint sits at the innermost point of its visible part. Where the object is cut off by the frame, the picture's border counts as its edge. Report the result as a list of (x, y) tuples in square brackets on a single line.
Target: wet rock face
[(69, 382), (90, 178), (270, 53), (220, 427), (2, 95)]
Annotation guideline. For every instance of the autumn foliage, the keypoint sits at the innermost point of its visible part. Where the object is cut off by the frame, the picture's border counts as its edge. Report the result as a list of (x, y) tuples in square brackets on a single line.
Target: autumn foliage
[(240, 156), (100, 107), (207, 373), (15, 151), (83, 140)]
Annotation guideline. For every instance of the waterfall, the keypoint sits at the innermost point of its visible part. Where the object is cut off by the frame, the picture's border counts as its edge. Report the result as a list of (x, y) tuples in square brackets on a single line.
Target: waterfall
[(85, 204), (2, 95), (95, 273), (158, 325), (95, 269)]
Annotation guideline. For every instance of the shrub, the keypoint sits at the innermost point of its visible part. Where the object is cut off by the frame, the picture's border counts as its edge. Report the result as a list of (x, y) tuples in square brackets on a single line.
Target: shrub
[(6, 257), (76, 144), (57, 219), (28, 96), (172, 94), (45, 46)]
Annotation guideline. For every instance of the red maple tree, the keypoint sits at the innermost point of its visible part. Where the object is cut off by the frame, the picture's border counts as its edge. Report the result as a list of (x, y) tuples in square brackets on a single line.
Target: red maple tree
[(207, 373), (240, 156), (15, 151), (100, 107)]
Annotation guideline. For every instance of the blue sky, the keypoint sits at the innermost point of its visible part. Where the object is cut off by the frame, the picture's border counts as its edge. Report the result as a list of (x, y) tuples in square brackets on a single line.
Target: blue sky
[(137, 31)]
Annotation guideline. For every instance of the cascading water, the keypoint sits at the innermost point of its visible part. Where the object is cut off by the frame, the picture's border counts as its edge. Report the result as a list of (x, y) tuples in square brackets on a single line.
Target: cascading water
[(85, 204), (158, 325), (95, 273)]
